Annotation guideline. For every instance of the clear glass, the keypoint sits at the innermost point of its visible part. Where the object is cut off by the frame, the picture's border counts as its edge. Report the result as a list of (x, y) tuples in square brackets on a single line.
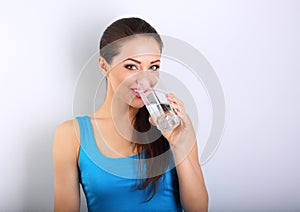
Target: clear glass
[(153, 94)]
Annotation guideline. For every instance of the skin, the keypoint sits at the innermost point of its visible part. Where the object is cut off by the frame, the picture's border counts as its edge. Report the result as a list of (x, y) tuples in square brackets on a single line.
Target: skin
[(136, 56)]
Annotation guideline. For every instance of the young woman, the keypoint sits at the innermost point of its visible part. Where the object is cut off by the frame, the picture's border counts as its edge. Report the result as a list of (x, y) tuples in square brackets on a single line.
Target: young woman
[(115, 134)]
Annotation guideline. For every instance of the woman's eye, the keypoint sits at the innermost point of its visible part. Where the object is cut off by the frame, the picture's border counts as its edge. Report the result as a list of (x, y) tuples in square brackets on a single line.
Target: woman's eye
[(154, 68), (131, 67)]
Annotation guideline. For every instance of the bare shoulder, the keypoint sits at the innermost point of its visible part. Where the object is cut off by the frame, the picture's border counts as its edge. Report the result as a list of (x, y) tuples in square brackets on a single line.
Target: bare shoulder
[(66, 138)]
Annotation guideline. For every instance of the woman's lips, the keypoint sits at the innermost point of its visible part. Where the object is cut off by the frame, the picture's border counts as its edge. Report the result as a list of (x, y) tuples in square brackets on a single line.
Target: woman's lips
[(134, 91), (137, 94)]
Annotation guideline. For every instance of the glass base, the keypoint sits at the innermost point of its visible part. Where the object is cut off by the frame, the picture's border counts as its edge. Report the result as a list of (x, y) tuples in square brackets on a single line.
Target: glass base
[(168, 122)]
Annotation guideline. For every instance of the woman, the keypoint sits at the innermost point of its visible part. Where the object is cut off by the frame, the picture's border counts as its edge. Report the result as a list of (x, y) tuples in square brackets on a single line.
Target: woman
[(128, 48)]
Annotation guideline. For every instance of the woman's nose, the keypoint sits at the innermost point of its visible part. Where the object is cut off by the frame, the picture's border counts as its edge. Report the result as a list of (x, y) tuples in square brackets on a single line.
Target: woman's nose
[(141, 75), (146, 74)]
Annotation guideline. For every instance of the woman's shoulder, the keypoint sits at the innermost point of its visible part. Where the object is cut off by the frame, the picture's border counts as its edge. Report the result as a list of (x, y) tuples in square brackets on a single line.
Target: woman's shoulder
[(66, 137), (69, 128)]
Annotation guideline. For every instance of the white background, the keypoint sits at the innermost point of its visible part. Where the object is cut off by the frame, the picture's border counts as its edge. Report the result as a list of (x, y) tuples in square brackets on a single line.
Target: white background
[(252, 45)]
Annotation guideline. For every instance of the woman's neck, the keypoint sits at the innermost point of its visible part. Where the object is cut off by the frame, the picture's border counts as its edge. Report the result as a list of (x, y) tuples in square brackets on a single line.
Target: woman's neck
[(116, 109)]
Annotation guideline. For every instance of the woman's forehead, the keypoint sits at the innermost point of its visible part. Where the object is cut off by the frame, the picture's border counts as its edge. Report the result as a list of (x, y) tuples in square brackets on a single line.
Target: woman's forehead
[(139, 48)]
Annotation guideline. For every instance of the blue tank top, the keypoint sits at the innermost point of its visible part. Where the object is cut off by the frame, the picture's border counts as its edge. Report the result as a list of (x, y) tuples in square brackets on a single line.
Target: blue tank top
[(109, 184)]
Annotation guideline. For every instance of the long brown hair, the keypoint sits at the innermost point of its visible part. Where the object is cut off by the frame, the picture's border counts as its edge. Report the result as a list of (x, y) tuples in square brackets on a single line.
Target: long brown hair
[(118, 30)]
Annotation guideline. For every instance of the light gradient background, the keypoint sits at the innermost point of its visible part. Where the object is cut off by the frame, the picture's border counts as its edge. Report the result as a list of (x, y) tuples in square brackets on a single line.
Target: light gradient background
[(253, 46)]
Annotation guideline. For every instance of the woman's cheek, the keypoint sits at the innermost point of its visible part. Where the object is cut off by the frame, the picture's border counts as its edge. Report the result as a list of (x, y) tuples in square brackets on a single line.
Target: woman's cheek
[(129, 78)]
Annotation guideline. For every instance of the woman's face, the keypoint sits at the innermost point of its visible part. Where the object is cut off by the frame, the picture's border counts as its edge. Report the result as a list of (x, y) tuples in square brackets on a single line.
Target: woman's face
[(136, 56)]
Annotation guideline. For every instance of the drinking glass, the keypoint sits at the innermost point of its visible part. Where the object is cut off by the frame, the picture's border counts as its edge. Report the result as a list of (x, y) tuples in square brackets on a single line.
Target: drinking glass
[(153, 93)]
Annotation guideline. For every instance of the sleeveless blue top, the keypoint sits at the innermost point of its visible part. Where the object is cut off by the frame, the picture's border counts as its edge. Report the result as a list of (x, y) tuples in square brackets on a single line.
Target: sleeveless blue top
[(109, 184)]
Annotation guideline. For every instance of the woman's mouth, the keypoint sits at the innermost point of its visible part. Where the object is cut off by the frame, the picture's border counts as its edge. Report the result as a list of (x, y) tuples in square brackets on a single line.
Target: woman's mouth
[(135, 92)]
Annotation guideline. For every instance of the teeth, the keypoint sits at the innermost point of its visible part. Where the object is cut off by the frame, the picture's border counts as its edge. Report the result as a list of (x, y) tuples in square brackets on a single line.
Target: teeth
[(138, 90)]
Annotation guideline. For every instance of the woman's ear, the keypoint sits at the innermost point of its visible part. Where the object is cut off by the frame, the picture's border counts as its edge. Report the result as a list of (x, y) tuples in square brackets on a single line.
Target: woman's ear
[(103, 66)]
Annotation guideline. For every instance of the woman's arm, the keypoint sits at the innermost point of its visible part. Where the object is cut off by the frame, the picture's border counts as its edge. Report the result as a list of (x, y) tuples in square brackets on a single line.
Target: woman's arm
[(193, 193), (183, 143), (66, 183)]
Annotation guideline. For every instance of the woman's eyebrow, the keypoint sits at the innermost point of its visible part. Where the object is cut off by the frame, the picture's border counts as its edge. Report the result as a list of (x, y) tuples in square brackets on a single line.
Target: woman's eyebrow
[(132, 60), (155, 61), (139, 62)]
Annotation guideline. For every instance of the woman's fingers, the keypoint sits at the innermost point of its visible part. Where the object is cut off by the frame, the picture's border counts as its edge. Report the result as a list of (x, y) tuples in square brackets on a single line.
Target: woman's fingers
[(151, 121), (176, 104), (178, 107), (174, 99)]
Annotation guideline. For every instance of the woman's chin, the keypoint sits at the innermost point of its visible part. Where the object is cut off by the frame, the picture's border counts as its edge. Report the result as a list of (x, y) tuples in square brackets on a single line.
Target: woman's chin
[(137, 103)]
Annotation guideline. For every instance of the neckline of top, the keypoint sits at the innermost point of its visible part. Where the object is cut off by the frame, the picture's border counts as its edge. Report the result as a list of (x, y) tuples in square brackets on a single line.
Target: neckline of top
[(90, 128)]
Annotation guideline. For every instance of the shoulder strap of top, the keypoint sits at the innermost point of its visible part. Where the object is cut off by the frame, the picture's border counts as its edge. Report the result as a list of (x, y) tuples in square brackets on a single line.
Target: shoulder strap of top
[(84, 126)]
